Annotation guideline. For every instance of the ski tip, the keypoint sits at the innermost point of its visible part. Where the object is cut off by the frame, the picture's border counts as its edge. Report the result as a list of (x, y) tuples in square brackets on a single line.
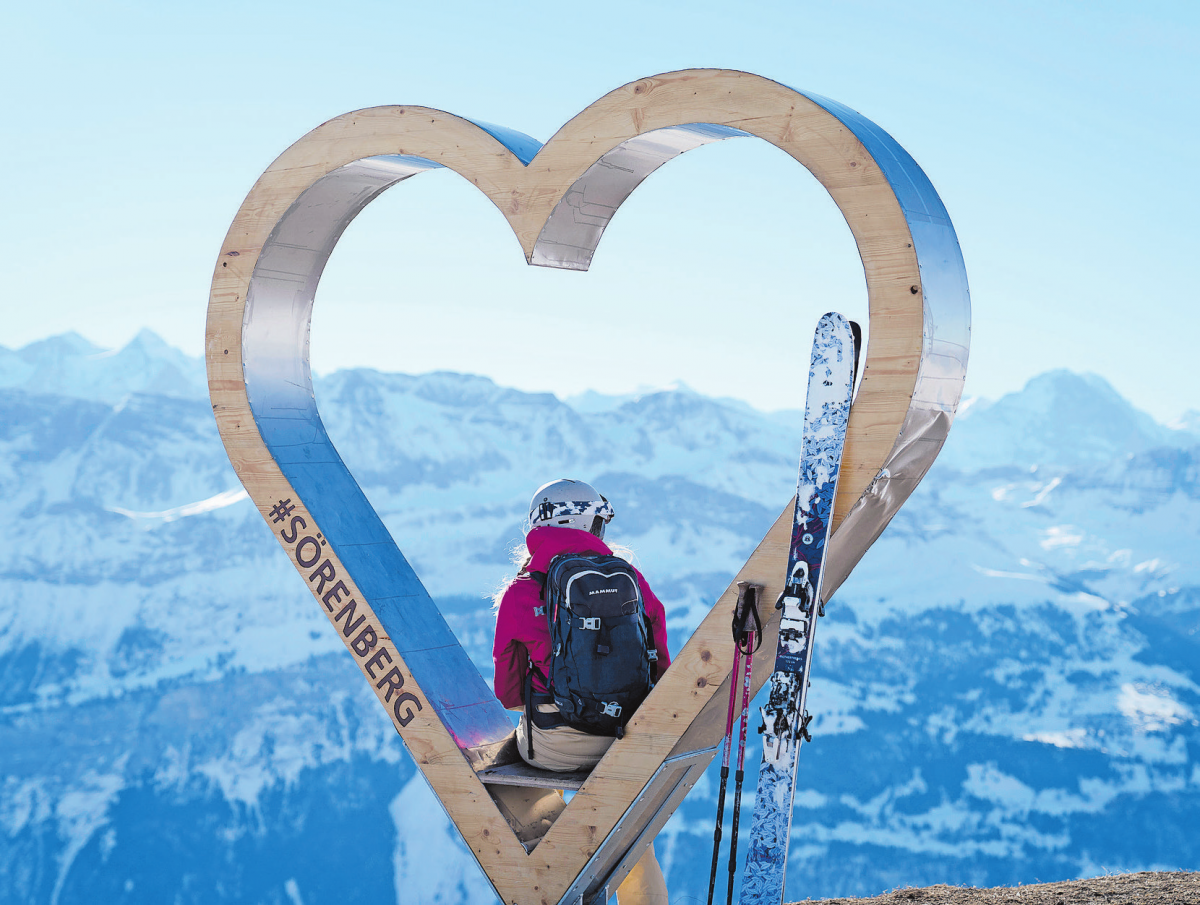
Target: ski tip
[(835, 325), (833, 320)]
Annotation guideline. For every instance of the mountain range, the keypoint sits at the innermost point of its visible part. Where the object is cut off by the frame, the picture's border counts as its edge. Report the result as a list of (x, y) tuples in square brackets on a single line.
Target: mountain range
[(1007, 688)]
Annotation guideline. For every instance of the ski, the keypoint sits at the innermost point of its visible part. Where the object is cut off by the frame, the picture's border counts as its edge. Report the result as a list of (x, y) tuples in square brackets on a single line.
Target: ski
[(785, 719)]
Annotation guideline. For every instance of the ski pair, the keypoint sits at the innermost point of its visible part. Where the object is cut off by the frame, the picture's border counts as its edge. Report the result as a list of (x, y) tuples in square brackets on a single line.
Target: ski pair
[(745, 643), (785, 718)]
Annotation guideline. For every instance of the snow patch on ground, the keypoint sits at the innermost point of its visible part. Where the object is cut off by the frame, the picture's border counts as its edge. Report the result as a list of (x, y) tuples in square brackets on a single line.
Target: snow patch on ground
[(213, 503), (275, 747), (1150, 708), (80, 812), (23, 802), (292, 888), (1067, 738)]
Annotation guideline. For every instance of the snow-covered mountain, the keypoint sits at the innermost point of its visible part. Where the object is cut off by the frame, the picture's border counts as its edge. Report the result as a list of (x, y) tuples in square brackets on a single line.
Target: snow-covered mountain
[(1007, 687), (69, 365)]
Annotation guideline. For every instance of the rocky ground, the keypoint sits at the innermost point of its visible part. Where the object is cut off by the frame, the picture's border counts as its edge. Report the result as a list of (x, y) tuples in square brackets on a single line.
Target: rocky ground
[(1148, 888)]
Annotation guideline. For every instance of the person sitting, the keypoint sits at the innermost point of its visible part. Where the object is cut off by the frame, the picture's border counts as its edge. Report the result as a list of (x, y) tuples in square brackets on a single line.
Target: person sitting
[(570, 517)]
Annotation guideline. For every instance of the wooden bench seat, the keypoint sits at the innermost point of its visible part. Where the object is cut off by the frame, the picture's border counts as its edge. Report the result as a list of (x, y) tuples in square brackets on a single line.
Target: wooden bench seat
[(521, 774)]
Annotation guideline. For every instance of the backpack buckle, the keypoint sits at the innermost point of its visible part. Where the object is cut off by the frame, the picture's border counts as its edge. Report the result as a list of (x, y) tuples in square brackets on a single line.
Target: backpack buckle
[(653, 655), (592, 624), (539, 611), (611, 708)]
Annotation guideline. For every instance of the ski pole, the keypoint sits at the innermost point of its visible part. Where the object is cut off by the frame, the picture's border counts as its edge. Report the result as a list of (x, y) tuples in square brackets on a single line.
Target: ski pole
[(712, 878), (749, 638)]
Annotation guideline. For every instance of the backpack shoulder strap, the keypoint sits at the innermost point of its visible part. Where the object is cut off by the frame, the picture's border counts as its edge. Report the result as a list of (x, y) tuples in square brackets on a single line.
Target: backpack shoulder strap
[(540, 578)]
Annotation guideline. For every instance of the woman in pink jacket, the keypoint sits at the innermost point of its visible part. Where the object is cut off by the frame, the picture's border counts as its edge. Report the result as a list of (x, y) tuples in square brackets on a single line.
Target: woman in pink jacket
[(565, 517)]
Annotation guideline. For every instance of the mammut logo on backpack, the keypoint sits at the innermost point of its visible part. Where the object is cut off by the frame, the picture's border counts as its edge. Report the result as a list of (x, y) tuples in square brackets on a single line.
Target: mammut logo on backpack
[(602, 665)]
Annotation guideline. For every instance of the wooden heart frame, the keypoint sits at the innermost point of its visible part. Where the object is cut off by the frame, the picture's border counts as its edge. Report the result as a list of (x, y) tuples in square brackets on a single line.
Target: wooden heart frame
[(558, 198)]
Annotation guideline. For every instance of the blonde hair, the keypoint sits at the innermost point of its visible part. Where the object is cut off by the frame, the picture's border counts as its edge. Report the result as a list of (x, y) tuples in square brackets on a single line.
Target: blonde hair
[(519, 556)]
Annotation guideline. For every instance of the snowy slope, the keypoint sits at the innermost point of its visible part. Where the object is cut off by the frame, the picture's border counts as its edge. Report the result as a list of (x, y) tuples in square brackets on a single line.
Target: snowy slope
[(1011, 675)]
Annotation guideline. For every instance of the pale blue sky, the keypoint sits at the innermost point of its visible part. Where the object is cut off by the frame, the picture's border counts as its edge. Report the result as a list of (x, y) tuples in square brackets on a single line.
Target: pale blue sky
[(1062, 138)]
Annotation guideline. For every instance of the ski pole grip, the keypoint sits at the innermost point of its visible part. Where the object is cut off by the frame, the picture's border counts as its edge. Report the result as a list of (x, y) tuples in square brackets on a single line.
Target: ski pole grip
[(746, 609)]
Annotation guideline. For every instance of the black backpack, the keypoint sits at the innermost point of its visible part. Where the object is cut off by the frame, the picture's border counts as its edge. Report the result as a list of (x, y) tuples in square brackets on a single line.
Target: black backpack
[(602, 655)]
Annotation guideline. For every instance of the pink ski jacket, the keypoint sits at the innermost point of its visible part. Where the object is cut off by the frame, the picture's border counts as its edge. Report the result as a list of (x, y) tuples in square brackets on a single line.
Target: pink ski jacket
[(522, 635)]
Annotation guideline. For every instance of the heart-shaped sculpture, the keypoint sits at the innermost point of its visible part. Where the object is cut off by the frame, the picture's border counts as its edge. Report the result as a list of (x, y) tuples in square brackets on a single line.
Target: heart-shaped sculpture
[(558, 199)]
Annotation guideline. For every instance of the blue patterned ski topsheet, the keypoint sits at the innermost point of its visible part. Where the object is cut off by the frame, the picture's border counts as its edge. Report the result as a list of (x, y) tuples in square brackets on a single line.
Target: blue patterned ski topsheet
[(830, 387)]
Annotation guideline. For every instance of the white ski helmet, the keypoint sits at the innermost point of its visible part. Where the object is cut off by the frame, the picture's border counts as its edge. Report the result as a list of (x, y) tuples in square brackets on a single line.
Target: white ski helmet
[(570, 504)]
